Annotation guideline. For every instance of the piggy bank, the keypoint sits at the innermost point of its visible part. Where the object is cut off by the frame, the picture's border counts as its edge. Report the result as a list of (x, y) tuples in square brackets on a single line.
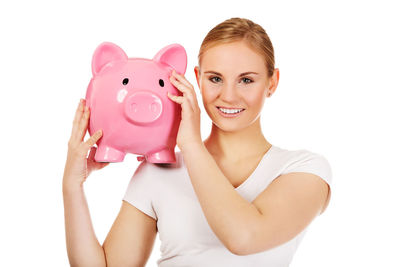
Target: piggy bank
[(128, 101)]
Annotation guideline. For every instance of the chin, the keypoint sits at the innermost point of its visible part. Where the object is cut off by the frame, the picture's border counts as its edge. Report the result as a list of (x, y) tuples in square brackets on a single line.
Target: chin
[(230, 127), (234, 126)]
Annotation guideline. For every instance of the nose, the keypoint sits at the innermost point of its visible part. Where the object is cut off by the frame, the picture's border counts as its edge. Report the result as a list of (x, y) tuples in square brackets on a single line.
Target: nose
[(143, 107), (228, 93)]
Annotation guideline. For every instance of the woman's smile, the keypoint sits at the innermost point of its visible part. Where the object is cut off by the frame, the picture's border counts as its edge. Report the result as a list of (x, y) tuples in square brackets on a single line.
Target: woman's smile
[(230, 113)]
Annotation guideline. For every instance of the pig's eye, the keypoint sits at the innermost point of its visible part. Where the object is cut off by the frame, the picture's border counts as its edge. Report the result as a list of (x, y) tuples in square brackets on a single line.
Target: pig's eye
[(161, 82), (125, 81)]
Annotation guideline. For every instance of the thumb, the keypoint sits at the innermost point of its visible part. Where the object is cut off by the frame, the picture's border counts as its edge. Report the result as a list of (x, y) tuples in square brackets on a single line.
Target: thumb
[(92, 153), (98, 165)]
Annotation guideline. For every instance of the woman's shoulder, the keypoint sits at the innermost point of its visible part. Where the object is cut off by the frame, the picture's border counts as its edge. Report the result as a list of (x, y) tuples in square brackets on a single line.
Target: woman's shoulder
[(300, 153), (305, 160), (163, 166), (149, 173)]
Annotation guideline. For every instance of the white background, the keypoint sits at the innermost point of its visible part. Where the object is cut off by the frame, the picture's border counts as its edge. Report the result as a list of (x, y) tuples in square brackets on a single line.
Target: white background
[(338, 96)]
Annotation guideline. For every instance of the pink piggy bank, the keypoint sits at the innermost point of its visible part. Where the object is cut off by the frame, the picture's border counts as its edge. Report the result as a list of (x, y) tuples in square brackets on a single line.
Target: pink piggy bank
[(128, 101)]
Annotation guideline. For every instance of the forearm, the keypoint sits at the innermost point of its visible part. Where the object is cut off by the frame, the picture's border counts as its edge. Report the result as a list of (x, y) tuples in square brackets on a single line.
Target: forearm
[(229, 215), (82, 245)]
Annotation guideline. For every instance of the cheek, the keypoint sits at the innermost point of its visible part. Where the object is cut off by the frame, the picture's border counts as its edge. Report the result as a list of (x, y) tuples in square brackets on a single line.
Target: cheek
[(255, 99), (209, 94)]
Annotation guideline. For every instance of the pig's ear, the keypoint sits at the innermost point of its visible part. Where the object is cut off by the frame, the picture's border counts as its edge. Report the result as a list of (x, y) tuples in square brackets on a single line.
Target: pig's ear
[(173, 55), (105, 53)]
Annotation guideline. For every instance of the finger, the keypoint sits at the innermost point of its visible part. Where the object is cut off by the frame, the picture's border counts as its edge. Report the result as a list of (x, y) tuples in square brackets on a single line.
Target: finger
[(184, 102), (175, 98), (93, 140), (92, 164), (184, 89), (182, 79), (79, 110), (77, 118), (82, 128), (186, 105)]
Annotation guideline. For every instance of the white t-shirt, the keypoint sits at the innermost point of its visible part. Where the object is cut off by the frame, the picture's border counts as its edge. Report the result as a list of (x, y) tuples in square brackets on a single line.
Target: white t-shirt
[(166, 194)]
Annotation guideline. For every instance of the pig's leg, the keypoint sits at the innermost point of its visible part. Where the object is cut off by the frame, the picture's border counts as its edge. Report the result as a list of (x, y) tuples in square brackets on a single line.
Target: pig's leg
[(108, 154), (166, 155)]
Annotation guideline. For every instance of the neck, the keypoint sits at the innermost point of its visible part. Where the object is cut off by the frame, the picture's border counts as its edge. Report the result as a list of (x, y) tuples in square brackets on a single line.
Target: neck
[(238, 145)]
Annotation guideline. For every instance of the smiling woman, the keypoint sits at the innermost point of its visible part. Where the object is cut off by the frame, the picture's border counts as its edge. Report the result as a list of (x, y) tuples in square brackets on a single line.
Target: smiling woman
[(248, 202), (231, 200)]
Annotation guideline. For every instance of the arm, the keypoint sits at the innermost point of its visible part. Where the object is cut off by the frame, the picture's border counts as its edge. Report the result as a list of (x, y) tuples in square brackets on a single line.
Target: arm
[(82, 245), (277, 215), (129, 242), (131, 238), (132, 235), (228, 214), (288, 205)]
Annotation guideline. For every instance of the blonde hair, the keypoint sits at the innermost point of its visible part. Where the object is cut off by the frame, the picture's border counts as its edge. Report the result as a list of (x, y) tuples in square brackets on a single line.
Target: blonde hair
[(241, 29)]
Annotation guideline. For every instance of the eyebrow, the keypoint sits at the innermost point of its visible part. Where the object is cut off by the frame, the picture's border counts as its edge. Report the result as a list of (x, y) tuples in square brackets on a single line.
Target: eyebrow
[(242, 74)]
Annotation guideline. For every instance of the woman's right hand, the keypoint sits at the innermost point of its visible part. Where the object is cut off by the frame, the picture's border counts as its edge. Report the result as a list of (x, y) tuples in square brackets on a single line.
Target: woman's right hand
[(78, 167)]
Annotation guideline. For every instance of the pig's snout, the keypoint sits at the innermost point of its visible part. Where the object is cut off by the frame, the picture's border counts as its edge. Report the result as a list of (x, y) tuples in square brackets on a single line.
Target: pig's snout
[(143, 107)]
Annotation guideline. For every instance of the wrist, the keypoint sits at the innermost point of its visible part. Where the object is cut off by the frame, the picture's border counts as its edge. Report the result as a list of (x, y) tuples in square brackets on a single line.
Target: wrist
[(191, 147)]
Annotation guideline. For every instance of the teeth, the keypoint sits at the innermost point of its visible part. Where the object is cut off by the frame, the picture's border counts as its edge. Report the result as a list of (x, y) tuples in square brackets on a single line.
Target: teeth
[(230, 111)]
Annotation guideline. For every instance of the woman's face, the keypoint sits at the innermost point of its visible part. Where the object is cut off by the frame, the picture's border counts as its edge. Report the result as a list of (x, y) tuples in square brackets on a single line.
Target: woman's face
[(234, 76)]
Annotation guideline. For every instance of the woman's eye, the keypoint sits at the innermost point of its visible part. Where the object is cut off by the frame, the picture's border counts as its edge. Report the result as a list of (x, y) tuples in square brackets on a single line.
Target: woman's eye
[(213, 79), (248, 80)]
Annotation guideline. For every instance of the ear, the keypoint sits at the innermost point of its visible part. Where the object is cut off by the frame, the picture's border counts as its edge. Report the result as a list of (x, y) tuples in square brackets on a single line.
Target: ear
[(197, 74), (173, 55), (105, 53), (273, 82)]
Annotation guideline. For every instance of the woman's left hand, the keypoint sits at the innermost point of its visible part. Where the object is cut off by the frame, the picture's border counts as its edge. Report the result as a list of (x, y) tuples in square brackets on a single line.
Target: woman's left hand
[(189, 128)]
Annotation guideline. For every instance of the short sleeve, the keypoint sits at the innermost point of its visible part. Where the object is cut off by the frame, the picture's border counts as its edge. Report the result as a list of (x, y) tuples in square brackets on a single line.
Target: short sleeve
[(314, 163), (140, 190)]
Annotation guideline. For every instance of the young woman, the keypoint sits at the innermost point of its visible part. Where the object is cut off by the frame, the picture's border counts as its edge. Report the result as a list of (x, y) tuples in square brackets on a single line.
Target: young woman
[(232, 200)]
